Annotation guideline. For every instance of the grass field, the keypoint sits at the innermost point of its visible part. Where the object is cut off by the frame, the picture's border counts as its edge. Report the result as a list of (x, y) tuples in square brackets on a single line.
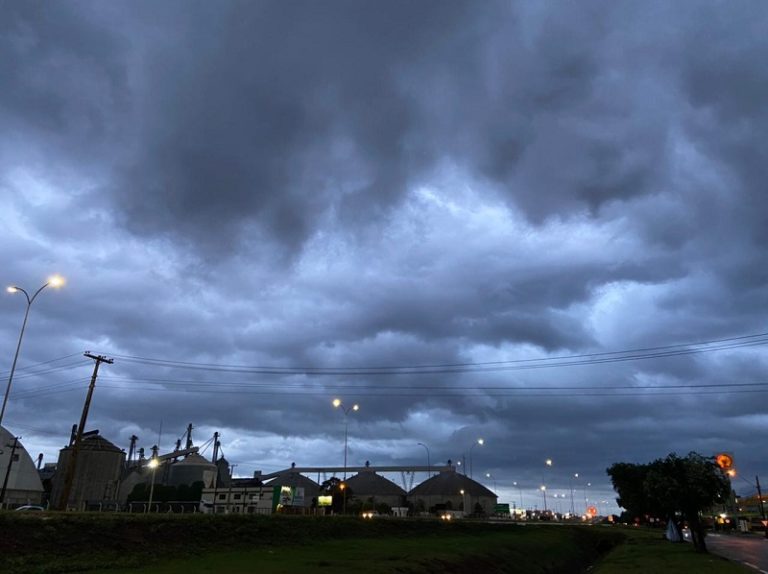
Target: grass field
[(168, 544), (647, 551)]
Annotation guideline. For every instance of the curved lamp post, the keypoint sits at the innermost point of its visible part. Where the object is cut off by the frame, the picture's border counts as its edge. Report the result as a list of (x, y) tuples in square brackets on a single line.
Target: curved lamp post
[(55, 281), (337, 404), (493, 478), (480, 442), (429, 464)]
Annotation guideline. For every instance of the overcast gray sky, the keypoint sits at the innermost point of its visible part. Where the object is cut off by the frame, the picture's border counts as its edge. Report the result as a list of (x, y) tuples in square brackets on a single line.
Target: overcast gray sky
[(304, 196)]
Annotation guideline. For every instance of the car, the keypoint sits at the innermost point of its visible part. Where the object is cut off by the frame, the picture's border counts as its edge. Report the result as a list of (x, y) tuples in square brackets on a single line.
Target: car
[(30, 508)]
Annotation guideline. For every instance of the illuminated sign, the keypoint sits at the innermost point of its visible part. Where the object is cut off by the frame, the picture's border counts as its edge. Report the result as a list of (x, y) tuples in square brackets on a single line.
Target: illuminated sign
[(724, 460), (324, 500)]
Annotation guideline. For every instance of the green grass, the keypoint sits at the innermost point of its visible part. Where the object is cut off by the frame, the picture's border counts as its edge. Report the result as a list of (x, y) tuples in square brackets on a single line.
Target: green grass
[(168, 544), (528, 549), (647, 551)]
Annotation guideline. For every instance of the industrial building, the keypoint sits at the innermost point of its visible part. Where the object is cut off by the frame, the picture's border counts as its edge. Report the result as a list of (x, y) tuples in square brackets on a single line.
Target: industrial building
[(19, 480), (371, 490), (449, 490)]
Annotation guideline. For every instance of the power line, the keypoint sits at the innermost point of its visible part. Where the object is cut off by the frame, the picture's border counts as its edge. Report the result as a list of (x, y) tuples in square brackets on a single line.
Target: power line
[(301, 385), (374, 392), (34, 365), (509, 365)]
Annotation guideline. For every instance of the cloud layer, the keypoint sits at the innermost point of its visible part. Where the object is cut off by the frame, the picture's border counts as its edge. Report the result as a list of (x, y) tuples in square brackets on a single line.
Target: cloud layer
[(348, 185)]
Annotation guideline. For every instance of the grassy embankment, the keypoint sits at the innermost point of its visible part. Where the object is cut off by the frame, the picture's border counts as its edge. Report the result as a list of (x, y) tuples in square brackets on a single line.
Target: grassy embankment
[(173, 544), (646, 551)]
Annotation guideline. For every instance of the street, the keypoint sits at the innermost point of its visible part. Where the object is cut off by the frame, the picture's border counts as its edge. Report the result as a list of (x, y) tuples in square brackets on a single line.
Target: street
[(751, 550)]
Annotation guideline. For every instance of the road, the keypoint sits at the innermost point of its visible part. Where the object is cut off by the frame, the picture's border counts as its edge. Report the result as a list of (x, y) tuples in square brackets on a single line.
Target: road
[(752, 550)]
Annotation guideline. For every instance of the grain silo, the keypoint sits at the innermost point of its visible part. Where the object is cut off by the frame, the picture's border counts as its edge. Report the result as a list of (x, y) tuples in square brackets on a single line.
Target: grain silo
[(23, 485), (97, 472), (194, 468)]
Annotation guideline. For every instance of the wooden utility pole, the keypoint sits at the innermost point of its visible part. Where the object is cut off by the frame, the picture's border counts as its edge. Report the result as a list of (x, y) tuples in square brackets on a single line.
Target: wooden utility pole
[(8, 471), (70, 474)]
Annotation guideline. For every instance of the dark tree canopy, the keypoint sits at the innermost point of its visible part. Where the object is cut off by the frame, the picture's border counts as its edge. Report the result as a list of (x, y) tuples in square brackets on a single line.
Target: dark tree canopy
[(669, 487)]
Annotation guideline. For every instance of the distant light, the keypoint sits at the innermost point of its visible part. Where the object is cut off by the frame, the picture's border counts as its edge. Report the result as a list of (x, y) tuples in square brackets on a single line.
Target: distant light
[(336, 402), (56, 281), (11, 289), (549, 462), (480, 441), (543, 488), (153, 463), (576, 475), (355, 407)]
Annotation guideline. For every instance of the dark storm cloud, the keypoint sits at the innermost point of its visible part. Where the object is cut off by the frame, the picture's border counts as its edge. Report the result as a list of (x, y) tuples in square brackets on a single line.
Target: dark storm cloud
[(369, 183)]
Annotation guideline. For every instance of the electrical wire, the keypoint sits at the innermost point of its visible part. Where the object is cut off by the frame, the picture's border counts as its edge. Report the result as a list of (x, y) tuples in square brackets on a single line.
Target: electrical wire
[(509, 365)]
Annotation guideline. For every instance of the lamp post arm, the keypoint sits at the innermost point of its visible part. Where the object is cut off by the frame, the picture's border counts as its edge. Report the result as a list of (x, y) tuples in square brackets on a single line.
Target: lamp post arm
[(32, 300)]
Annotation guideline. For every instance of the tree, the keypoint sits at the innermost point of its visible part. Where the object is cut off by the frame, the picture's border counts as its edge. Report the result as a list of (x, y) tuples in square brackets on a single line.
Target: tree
[(671, 486), (338, 489)]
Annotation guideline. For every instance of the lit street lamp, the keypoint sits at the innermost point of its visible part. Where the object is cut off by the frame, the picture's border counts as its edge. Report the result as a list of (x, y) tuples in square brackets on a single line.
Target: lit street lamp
[(153, 464), (338, 404), (480, 442), (544, 492), (570, 482), (54, 281), (488, 475), (521, 493)]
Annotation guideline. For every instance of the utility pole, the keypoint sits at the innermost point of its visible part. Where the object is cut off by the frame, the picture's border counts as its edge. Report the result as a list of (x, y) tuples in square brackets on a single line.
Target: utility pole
[(70, 474), (8, 471), (762, 508)]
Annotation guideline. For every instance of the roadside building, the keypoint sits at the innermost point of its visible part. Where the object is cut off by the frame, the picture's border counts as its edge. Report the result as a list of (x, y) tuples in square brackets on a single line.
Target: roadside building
[(293, 479)]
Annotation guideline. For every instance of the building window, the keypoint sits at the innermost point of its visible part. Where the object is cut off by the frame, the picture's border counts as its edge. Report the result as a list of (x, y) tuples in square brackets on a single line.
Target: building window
[(222, 497), (15, 458), (237, 497)]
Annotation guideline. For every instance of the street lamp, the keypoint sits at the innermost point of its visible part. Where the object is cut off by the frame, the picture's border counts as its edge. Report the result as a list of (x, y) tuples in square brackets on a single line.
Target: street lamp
[(521, 493), (480, 442), (488, 475), (544, 492), (575, 475), (153, 464), (429, 464), (337, 404), (54, 281)]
